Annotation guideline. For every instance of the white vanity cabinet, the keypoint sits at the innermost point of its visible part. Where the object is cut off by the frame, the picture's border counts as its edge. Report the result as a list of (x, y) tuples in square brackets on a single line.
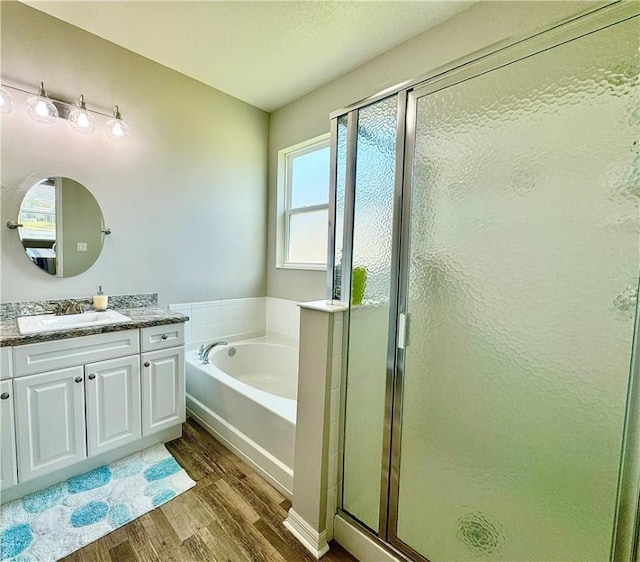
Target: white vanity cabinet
[(163, 394), (74, 399)]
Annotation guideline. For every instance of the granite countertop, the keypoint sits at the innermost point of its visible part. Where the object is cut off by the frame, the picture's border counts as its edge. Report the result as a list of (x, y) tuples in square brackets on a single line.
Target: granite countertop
[(141, 317)]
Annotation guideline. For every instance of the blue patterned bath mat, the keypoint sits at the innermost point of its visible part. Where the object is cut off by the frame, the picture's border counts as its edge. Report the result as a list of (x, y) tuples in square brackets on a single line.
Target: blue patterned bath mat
[(48, 525)]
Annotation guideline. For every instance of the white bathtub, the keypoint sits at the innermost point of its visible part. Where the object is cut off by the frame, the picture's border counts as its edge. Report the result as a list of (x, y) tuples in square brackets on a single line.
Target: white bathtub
[(247, 399)]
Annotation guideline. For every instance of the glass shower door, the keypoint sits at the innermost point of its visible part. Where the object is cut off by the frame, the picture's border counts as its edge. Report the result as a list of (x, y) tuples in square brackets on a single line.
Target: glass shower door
[(371, 279), (521, 286)]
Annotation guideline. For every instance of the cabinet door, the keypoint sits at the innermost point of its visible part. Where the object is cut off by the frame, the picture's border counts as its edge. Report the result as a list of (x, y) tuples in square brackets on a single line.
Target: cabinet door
[(112, 390), (50, 421), (8, 466), (162, 390)]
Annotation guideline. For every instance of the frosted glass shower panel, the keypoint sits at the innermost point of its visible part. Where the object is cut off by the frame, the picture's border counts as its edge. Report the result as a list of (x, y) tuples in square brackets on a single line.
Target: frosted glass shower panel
[(369, 313), (521, 289)]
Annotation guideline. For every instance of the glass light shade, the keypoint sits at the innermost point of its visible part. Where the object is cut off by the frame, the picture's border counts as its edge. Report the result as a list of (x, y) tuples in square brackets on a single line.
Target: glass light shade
[(6, 101), (117, 128), (40, 108), (80, 119)]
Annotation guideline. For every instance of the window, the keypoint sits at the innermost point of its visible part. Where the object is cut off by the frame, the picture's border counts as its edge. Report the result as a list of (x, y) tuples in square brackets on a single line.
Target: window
[(38, 212), (303, 196)]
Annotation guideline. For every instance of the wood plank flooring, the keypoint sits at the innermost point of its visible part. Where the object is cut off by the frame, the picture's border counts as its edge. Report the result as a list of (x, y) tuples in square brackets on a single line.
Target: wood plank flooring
[(231, 515)]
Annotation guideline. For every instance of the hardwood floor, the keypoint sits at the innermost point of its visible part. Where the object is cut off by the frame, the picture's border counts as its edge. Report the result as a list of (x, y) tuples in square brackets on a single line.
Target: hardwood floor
[(231, 515)]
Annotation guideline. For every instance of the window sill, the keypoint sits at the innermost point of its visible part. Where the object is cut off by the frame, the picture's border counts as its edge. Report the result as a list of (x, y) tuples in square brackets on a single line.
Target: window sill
[(303, 266)]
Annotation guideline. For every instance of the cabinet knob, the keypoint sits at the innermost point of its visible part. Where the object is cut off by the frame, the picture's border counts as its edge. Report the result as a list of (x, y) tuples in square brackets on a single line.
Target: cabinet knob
[(78, 379), (164, 336), (147, 364), (4, 395), (92, 376)]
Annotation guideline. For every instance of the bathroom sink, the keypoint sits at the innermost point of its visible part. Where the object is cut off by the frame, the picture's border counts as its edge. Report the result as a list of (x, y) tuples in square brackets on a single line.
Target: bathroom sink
[(51, 322)]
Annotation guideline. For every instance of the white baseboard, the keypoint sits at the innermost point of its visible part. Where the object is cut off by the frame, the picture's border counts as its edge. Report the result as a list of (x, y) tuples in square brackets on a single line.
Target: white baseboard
[(364, 548), (314, 542)]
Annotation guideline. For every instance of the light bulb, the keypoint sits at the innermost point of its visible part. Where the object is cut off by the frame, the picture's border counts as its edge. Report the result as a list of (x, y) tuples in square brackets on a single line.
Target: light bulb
[(83, 121), (80, 119), (6, 101), (40, 108), (117, 129)]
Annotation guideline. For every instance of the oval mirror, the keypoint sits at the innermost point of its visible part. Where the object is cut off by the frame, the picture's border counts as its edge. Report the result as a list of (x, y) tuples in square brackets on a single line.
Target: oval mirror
[(61, 226)]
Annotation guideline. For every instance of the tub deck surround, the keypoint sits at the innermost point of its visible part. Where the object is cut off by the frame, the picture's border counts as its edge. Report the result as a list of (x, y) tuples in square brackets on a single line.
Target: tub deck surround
[(142, 317)]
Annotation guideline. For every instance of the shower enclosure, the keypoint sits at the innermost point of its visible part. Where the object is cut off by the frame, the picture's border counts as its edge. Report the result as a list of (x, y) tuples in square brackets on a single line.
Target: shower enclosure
[(485, 230)]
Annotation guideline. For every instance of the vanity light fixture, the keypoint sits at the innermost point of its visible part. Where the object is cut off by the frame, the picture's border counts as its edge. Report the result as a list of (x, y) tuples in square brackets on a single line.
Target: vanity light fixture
[(80, 119), (41, 108), (117, 128), (6, 101)]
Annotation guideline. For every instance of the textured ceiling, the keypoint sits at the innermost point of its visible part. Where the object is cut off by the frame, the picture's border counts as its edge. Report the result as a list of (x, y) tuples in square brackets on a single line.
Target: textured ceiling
[(266, 53)]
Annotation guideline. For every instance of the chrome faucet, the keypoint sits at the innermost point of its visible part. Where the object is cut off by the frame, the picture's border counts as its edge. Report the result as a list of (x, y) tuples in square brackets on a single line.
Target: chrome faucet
[(205, 349), (69, 307)]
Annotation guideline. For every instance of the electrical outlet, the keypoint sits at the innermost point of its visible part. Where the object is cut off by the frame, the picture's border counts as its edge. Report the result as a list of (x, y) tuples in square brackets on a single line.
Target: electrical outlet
[(81, 246)]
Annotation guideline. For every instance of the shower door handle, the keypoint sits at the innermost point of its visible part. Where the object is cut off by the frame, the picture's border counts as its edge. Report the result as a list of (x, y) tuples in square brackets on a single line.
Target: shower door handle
[(403, 330)]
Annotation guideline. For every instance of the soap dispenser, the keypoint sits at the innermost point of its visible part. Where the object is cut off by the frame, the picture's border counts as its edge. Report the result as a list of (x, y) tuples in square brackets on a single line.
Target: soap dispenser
[(100, 300)]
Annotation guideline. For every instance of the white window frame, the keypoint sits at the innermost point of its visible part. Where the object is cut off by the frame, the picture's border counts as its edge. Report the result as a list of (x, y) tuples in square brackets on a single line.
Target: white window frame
[(285, 211)]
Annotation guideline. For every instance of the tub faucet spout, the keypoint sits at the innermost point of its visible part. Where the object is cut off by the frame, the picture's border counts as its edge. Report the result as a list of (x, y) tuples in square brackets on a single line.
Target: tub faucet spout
[(205, 349)]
